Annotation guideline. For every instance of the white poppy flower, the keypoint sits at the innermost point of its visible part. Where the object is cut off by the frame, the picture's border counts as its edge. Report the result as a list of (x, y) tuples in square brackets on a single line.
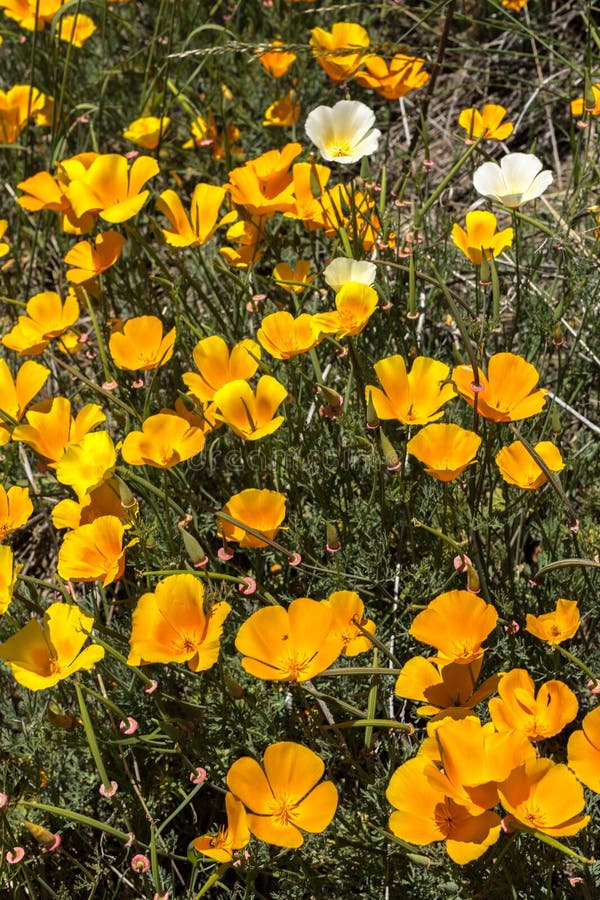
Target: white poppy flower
[(342, 270), (518, 179), (343, 133)]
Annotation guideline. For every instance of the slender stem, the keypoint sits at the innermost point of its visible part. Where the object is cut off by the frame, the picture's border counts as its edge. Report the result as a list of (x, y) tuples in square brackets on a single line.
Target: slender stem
[(91, 738)]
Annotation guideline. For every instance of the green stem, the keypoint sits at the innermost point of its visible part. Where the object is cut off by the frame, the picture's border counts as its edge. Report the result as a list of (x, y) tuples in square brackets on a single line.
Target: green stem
[(78, 817), (91, 738), (552, 842), (212, 880), (580, 665)]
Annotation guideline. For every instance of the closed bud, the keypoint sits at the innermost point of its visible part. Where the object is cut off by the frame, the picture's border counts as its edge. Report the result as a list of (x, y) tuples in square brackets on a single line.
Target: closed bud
[(372, 418), (472, 580), (193, 548), (391, 458), (333, 538)]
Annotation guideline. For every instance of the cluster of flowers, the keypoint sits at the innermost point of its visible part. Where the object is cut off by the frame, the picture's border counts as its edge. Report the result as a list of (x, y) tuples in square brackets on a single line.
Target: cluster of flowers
[(464, 769)]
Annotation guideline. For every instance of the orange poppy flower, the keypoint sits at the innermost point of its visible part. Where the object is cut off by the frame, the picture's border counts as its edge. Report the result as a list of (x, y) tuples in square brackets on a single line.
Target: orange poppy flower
[(283, 112), (15, 509), (332, 49), (583, 751), (518, 709), (443, 687), (16, 393), (165, 440), (403, 75), (288, 645), (93, 552), (582, 105), (414, 398), (424, 813), (277, 60), (86, 464), (283, 798), (348, 609), (284, 337), (556, 626), (262, 510), (508, 392), (544, 795), (8, 576), (456, 623), (91, 261), (264, 185), (199, 227), (171, 625), (217, 366), (445, 450), (51, 427), (517, 465), (221, 846), (138, 345), (47, 317)]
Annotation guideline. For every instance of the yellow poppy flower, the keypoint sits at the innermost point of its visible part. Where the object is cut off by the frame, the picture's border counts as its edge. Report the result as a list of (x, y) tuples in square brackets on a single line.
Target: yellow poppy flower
[(147, 131), (556, 626), (91, 261), (217, 366), (309, 184), (283, 798), (508, 392), (251, 415), (75, 30), (33, 15), (518, 709), (8, 576), (202, 222), (105, 500), (443, 687), (262, 510), (517, 466), (348, 609), (16, 393), (514, 5), (47, 317), (93, 552), (355, 304), (582, 105), (165, 440), (284, 337), (221, 846), (111, 186), (445, 450), (414, 398), (138, 345), (456, 623), (15, 509), (171, 625), (17, 106), (344, 37), (486, 124), (583, 751), (294, 280), (403, 75), (4, 245), (41, 656), (277, 60), (544, 795), (85, 465), (51, 427), (291, 644), (283, 112), (424, 813), (481, 240)]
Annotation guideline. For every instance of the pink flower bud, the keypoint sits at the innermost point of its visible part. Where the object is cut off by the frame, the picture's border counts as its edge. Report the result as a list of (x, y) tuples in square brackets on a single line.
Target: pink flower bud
[(109, 791), (198, 776), (128, 725), (140, 863)]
